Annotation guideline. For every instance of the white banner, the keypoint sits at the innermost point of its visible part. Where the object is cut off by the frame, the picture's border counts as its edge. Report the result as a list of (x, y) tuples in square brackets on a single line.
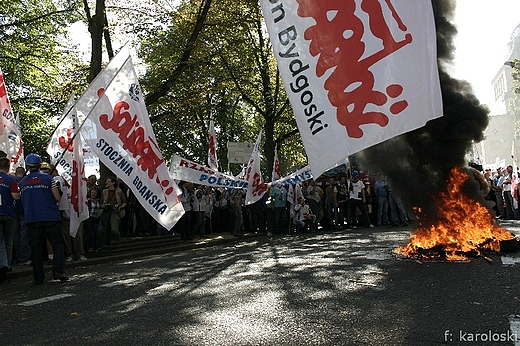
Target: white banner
[(357, 72), (297, 177), (119, 132), (184, 169), (10, 132), (60, 145)]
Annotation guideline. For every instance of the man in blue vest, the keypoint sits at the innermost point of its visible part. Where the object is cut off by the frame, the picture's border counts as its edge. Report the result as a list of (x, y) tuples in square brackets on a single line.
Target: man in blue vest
[(39, 194), (8, 216)]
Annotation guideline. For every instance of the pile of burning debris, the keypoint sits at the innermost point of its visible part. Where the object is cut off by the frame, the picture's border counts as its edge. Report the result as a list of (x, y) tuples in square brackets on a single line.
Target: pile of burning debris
[(463, 228)]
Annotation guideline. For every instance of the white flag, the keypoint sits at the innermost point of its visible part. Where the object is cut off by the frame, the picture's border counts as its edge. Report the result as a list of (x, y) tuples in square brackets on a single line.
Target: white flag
[(357, 72), (60, 148), (119, 132), (276, 166), (212, 150), (78, 187), (255, 185), (10, 133)]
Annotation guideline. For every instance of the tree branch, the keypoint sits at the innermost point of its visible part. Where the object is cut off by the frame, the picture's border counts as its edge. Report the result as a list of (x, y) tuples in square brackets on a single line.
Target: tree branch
[(244, 95), (183, 64), (286, 136)]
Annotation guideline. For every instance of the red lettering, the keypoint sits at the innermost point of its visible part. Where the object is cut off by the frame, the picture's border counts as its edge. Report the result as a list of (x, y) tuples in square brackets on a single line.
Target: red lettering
[(66, 142), (211, 144), (149, 160), (184, 163), (337, 40), (134, 139), (259, 188)]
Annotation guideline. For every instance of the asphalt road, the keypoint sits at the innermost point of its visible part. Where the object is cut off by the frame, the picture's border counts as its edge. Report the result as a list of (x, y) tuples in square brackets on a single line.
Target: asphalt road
[(344, 288)]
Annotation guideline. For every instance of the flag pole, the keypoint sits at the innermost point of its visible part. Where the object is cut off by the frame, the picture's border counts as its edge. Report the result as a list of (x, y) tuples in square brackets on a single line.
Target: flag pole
[(84, 92)]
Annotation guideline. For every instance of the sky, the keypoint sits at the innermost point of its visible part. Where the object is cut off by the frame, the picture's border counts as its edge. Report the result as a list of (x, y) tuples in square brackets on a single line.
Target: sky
[(484, 29)]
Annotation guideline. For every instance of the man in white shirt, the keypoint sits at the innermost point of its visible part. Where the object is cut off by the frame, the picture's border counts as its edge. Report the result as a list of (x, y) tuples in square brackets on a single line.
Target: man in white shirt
[(358, 199)]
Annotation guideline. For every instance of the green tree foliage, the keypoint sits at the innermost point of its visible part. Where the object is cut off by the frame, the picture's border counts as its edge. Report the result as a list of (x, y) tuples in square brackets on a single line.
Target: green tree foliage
[(231, 76), (201, 59), (40, 69)]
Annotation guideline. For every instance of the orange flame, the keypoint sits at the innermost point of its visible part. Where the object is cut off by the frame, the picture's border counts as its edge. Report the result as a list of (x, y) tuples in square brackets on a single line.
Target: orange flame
[(464, 226)]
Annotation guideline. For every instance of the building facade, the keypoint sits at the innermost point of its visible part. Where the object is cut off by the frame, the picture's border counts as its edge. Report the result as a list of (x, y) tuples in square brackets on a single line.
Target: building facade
[(500, 133)]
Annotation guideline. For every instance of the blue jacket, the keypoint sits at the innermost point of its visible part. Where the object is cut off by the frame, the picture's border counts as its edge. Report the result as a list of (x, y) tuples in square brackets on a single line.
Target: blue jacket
[(37, 198), (7, 206)]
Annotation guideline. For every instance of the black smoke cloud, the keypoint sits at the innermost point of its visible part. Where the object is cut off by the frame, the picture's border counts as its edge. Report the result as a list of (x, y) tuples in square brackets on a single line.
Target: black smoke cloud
[(418, 163)]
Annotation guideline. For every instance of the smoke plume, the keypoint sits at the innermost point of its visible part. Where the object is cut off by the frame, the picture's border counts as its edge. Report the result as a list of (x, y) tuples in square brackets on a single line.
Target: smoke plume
[(418, 163)]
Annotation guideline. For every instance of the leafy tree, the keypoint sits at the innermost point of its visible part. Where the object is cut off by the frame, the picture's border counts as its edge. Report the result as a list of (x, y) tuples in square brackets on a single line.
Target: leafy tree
[(40, 69), (230, 76)]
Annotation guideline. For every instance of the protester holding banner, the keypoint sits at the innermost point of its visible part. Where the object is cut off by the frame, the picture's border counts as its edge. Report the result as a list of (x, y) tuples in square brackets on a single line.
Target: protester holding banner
[(39, 195), (113, 202)]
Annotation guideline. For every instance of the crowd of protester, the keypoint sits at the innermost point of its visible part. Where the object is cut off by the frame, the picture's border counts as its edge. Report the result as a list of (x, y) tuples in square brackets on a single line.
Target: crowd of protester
[(337, 203), (347, 201), (503, 190)]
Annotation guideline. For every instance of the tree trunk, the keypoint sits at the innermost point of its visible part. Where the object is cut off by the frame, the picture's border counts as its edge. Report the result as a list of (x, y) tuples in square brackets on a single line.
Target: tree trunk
[(98, 26)]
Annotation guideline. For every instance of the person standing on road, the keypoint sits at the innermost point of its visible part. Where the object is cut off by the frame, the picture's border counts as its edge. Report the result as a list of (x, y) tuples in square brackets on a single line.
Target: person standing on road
[(39, 195), (331, 204), (198, 209), (381, 189), (358, 199), (314, 199), (9, 192), (498, 181), (186, 199), (507, 193), (279, 195), (343, 201), (113, 202)]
